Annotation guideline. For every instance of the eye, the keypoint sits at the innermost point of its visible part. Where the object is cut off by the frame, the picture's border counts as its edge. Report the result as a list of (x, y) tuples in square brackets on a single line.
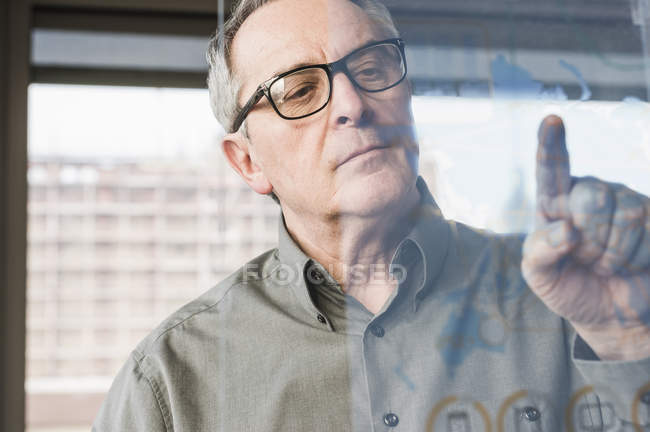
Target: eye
[(370, 71), (304, 91)]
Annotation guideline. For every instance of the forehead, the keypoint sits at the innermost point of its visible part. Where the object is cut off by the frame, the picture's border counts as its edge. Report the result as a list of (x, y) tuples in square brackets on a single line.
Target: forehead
[(286, 33)]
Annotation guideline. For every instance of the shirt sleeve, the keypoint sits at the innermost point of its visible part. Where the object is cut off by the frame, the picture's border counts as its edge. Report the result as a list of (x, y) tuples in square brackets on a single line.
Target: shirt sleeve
[(133, 402), (625, 384)]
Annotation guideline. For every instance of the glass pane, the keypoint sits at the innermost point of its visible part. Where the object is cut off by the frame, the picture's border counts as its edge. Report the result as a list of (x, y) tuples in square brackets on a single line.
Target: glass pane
[(589, 49), (479, 154), (486, 73), (74, 48), (132, 213)]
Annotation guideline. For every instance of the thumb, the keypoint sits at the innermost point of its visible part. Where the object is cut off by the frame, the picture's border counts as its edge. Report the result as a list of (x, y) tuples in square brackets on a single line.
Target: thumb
[(543, 249), (553, 170)]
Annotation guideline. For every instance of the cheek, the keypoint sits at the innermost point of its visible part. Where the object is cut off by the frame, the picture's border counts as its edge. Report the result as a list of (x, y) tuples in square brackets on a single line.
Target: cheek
[(403, 103), (395, 108), (289, 153)]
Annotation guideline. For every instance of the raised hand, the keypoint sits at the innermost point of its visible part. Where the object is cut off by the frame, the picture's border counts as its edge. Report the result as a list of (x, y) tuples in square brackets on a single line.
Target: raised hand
[(589, 257)]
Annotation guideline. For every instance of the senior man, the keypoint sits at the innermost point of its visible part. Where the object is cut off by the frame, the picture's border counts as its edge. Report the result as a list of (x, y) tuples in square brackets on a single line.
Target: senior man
[(374, 312)]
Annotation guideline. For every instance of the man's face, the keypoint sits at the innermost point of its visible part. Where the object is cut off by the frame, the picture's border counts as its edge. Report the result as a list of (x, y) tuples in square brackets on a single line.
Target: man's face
[(356, 156)]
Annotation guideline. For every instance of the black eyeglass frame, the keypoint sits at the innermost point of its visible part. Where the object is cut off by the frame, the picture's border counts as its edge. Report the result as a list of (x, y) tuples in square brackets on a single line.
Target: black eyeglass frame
[(330, 69)]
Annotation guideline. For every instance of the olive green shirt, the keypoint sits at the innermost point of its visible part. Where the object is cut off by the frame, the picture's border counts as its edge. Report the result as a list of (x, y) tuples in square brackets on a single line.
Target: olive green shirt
[(462, 344)]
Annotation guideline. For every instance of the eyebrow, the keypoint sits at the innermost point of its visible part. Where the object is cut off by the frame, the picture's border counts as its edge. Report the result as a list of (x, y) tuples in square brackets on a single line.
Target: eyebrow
[(294, 66), (315, 62)]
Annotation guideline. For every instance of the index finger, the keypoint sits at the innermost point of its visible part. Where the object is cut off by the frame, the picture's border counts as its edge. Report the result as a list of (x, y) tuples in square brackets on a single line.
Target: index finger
[(553, 169)]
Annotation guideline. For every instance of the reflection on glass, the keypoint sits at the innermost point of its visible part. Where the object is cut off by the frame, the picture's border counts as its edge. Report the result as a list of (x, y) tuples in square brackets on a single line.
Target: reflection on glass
[(133, 211)]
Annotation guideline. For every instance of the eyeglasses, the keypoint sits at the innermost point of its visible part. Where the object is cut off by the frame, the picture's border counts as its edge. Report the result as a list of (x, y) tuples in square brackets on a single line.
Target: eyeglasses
[(306, 90)]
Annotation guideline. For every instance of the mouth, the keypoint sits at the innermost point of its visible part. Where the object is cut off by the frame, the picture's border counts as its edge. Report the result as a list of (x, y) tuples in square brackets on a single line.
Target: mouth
[(360, 152)]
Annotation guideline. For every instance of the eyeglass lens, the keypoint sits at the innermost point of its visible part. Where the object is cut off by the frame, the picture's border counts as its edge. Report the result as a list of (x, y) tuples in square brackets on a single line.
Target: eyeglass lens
[(307, 91), (301, 93), (376, 68)]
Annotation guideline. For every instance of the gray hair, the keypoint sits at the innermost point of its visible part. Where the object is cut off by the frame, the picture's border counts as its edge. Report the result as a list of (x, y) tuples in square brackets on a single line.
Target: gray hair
[(223, 85)]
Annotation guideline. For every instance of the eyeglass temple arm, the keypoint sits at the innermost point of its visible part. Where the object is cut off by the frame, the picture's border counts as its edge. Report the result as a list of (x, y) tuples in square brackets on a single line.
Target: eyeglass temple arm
[(246, 109)]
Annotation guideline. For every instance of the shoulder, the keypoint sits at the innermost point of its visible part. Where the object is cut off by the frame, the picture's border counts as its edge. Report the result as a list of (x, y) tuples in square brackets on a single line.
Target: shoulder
[(483, 258), (479, 243), (205, 308), (485, 267)]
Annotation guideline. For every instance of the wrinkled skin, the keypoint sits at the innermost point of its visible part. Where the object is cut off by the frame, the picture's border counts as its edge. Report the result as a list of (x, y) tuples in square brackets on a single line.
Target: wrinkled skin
[(589, 258)]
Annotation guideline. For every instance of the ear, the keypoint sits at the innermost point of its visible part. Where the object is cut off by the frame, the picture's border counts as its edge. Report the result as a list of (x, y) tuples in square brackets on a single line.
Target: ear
[(236, 148)]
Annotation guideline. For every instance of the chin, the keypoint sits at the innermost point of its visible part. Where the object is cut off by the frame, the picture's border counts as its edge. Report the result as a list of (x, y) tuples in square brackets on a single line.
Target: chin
[(372, 194)]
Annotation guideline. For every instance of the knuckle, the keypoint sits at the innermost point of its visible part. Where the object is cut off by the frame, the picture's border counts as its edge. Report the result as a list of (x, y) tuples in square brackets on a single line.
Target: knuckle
[(630, 203), (591, 203)]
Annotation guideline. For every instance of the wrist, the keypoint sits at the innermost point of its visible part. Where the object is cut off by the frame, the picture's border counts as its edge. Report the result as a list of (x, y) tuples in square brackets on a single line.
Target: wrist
[(625, 344)]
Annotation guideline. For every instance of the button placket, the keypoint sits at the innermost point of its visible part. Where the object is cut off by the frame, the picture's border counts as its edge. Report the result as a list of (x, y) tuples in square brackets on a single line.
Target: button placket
[(391, 419), (530, 413), (377, 378), (315, 276), (377, 330), (531, 417)]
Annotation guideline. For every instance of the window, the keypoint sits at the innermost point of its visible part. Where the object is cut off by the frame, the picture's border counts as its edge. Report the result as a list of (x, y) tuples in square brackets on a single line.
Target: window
[(38, 193), (126, 244), (132, 208), (70, 193), (180, 194), (107, 194), (180, 222), (106, 221), (139, 195)]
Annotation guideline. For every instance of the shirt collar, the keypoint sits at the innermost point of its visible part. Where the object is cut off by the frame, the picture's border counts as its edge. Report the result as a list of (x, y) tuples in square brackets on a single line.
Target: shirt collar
[(422, 253), (296, 264), (424, 249)]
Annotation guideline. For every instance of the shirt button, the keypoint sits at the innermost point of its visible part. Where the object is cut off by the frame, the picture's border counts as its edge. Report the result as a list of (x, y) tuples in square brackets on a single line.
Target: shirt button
[(531, 413), (645, 398), (315, 275), (391, 420), (377, 330), (321, 318)]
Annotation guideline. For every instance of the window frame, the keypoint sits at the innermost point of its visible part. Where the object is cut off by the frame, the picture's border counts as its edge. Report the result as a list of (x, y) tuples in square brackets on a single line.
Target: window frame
[(18, 18)]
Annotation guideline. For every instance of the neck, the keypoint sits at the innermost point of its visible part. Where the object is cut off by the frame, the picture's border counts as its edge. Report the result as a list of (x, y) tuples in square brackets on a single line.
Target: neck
[(356, 250)]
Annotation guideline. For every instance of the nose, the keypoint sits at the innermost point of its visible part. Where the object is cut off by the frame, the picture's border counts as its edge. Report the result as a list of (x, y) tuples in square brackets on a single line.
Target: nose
[(349, 106)]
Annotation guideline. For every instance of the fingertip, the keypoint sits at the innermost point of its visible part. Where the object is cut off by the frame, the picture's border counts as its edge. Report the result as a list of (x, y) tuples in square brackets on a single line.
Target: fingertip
[(553, 166), (552, 126), (553, 120)]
